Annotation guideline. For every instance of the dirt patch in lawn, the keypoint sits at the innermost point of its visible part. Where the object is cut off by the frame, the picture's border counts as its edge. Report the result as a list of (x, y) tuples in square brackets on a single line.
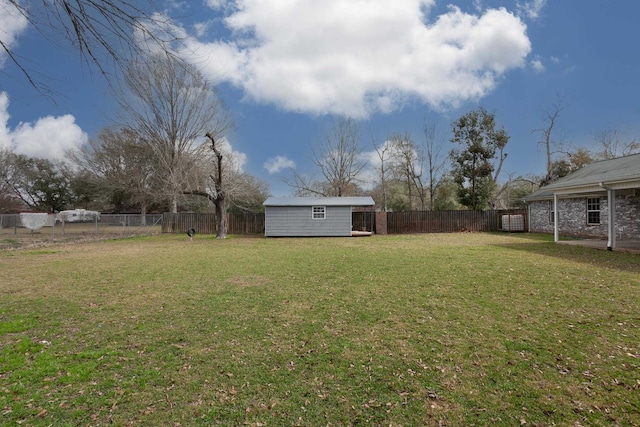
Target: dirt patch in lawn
[(249, 281)]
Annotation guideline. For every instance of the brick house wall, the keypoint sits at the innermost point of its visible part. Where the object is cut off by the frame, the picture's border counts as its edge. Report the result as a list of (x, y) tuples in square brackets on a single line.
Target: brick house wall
[(573, 217)]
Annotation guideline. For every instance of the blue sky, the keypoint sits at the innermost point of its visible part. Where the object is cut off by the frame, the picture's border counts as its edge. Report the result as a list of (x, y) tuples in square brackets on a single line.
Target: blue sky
[(286, 68)]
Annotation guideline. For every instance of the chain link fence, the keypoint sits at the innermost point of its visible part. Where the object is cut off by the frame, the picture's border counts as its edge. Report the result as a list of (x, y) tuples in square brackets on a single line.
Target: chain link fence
[(20, 230)]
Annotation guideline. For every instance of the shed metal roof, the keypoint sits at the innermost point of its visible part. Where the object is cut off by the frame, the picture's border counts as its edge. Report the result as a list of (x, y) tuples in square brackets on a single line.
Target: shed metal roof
[(616, 174), (319, 201)]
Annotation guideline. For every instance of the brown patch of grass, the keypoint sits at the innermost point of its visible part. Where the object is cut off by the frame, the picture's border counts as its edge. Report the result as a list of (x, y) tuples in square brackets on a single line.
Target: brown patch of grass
[(248, 281)]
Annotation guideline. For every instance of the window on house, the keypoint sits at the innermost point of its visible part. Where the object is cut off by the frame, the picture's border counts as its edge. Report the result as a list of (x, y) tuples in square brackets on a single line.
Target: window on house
[(552, 217), (593, 211), (318, 212)]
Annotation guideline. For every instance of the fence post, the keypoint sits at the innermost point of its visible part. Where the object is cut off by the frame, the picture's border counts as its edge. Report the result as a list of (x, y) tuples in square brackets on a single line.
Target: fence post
[(381, 223)]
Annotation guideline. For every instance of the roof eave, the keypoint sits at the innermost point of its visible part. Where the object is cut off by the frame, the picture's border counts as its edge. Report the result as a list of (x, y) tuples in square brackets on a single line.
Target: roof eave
[(596, 187)]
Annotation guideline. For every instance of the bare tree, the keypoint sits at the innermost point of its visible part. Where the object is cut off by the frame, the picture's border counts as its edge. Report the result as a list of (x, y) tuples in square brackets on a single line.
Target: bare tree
[(218, 196), (338, 159), (384, 154), (216, 193), (98, 29), (304, 185), (613, 143), (434, 159), (550, 117), (247, 192), (221, 181), (121, 164), (172, 107), (407, 166), (514, 190)]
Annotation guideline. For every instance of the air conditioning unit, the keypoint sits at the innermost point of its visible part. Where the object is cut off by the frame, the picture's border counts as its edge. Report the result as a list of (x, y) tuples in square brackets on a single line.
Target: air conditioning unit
[(513, 223)]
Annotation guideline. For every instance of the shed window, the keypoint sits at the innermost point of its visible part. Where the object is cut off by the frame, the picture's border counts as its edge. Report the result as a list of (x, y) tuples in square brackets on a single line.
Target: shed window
[(318, 212), (593, 211), (552, 215)]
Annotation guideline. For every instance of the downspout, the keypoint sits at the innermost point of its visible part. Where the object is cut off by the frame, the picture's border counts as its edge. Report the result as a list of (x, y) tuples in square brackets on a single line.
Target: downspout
[(611, 217), (555, 218), (373, 214)]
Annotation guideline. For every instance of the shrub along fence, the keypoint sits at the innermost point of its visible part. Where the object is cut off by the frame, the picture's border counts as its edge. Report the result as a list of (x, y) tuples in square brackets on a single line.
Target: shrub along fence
[(396, 222)]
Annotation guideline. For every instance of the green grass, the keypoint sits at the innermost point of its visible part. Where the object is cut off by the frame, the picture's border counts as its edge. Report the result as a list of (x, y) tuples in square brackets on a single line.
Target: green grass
[(436, 329)]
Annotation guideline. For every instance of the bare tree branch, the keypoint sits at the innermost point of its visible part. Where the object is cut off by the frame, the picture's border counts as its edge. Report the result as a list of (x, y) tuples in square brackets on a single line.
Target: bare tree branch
[(172, 107), (550, 116), (338, 159), (99, 30)]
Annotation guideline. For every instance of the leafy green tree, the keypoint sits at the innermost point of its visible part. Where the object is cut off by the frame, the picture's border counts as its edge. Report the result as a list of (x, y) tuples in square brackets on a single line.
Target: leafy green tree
[(446, 195), (41, 184), (570, 162), (479, 156), (87, 191), (9, 201), (121, 168)]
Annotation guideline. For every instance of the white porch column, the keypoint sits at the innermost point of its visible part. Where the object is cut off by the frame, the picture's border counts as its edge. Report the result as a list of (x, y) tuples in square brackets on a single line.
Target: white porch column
[(611, 218), (555, 218)]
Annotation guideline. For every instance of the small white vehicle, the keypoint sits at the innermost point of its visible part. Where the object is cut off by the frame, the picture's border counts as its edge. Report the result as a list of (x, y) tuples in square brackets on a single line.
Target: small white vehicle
[(78, 215)]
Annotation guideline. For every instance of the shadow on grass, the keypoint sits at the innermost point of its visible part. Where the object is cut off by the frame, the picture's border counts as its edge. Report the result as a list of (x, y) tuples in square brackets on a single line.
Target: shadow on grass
[(542, 244)]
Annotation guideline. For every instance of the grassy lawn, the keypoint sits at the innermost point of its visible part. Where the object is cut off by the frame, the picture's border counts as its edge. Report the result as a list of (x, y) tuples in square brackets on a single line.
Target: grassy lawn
[(411, 330)]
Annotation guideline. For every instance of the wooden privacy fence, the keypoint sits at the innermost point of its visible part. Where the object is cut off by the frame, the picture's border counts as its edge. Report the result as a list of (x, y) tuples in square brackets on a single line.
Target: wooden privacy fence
[(245, 223), (237, 223), (396, 222), (449, 221)]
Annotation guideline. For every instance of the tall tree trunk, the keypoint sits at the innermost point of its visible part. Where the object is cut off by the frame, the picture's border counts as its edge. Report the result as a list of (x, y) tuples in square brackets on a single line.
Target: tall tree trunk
[(220, 198), (143, 214), (221, 218)]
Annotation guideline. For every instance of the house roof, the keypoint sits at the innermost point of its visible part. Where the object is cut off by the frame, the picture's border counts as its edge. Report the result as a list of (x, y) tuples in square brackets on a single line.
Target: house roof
[(621, 173), (319, 201)]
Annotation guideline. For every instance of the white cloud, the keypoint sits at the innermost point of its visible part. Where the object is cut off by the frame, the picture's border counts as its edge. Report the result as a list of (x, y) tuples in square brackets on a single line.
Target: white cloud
[(236, 158), (278, 163), (5, 137), (530, 9), (216, 4), (201, 28), (357, 57), (537, 65), (48, 138), (12, 24)]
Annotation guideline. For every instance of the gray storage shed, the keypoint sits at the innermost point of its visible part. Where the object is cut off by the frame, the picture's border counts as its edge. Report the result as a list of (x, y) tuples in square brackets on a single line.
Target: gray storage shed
[(310, 216)]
